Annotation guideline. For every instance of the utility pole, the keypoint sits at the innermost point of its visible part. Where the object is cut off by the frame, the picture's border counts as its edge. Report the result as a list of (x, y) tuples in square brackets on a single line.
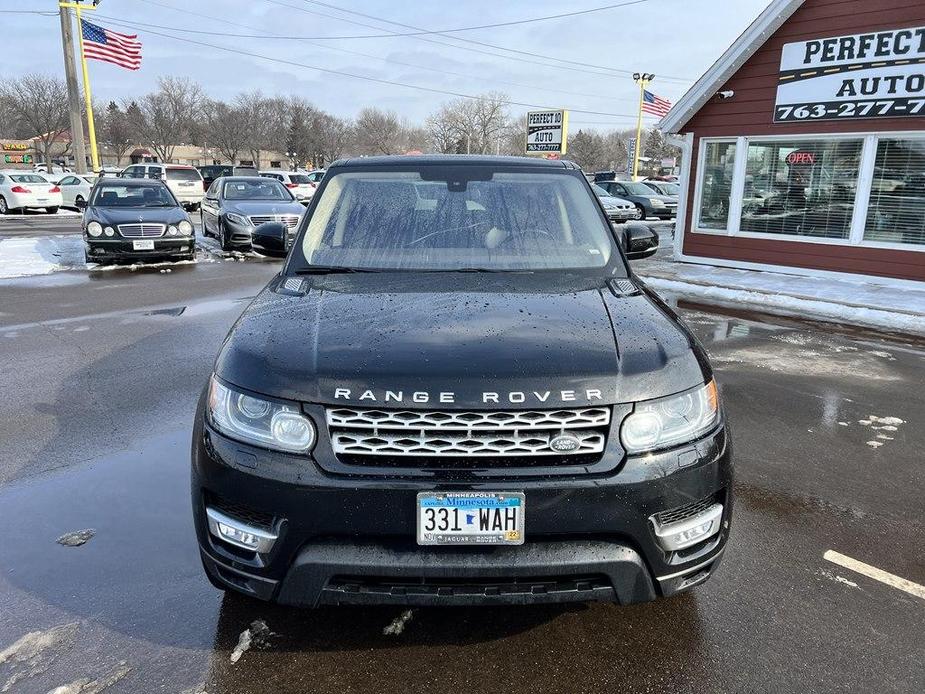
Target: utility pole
[(73, 94)]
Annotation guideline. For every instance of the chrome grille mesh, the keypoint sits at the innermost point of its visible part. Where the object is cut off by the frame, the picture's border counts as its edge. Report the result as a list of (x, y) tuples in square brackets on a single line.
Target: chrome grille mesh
[(142, 231), (290, 221), (450, 433)]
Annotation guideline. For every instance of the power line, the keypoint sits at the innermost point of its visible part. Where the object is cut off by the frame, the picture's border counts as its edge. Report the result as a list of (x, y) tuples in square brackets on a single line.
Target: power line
[(367, 78), (481, 43)]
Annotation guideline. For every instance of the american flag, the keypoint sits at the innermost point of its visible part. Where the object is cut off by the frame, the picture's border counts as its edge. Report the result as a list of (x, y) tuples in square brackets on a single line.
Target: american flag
[(654, 104), (123, 50)]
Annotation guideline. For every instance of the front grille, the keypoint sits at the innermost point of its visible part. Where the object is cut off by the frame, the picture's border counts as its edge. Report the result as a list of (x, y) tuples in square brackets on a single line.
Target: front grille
[(464, 434), (681, 513), (142, 231), (468, 587), (290, 221)]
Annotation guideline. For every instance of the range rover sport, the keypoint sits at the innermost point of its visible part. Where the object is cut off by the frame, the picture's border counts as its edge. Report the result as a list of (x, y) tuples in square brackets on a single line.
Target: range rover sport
[(457, 392)]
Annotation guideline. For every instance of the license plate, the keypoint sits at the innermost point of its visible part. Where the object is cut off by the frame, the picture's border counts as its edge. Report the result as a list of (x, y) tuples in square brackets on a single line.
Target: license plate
[(143, 245), (42, 199), (470, 518)]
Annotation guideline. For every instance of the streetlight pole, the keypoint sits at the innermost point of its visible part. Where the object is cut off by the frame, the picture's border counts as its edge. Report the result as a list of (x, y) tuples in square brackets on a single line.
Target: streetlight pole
[(642, 79), (73, 93)]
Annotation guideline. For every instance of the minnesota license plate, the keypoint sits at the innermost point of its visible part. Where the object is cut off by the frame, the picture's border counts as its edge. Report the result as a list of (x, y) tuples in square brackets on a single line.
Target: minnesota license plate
[(470, 518), (147, 245)]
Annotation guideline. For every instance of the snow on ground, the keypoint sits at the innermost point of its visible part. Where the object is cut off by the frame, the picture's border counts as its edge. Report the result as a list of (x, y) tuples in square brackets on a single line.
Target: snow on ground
[(821, 298), (21, 257), (36, 214)]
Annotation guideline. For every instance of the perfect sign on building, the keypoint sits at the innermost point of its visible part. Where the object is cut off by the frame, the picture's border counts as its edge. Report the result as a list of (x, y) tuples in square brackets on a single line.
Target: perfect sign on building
[(547, 132), (875, 75)]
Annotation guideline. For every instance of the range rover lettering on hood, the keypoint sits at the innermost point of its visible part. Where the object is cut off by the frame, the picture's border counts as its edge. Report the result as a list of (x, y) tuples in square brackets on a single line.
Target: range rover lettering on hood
[(418, 396)]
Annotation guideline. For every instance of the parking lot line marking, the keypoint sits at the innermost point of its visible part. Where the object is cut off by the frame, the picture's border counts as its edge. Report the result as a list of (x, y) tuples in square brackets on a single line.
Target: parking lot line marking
[(875, 573)]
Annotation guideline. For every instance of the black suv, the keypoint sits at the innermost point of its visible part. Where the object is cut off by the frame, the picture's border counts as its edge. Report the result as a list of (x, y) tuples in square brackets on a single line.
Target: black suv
[(457, 392)]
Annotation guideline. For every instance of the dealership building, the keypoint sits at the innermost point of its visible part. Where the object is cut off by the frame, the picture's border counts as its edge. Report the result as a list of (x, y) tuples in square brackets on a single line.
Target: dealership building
[(804, 144)]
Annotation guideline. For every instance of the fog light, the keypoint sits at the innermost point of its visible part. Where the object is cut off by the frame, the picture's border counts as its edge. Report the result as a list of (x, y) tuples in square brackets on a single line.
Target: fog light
[(171, 231), (109, 231), (690, 531), (239, 534)]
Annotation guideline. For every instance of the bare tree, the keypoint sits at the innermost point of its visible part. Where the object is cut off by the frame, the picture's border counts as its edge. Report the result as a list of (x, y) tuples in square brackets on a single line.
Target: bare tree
[(168, 114), (442, 133), (330, 137), (378, 132), (476, 126), (116, 131), (37, 106), (227, 129), (267, 122)]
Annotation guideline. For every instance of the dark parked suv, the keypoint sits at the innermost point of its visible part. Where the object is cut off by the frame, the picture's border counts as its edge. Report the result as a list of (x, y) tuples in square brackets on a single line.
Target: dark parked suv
[(457, 392)]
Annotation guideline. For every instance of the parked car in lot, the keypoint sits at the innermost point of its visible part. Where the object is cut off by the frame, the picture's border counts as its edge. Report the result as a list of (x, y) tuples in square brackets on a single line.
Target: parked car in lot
[(235, 205), (212, 171), (185, 182), (299, 184), (663, 187), (22, 190), (75, 187), (136, 219), (649, 203), (468, 402), (618, 210)]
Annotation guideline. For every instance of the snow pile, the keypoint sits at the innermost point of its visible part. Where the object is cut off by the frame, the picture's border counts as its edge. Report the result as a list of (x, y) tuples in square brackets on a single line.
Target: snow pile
[(21, 257)]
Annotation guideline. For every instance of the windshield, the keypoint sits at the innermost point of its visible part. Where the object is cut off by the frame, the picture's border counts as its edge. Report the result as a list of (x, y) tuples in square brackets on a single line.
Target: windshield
[(670, 188), (634, 188), (399, 220), (601, 192), (264, 189), (299, 178), (114, 195), (183, 175)]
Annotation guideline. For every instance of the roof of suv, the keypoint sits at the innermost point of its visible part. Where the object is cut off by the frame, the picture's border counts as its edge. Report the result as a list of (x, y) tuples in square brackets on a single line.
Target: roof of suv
[(454, 159)]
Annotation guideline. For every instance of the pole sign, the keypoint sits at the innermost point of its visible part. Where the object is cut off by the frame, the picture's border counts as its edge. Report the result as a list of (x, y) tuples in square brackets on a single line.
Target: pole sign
[(875, 75), (630, 154), (547, 132)]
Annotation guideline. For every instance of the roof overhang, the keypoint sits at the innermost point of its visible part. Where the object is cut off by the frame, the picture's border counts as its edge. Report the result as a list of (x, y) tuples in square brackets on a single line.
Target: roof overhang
[(744, 47)]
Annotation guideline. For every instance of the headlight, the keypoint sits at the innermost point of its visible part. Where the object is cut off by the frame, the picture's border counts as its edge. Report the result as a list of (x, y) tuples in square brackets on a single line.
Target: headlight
[(258, 421), (656, 202), (670, 421), (94, 228), (185, 228), (237, 219), (109, 231)]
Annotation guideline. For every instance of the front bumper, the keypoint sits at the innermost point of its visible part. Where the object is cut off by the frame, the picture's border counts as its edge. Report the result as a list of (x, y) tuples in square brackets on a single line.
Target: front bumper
[(352, 540), (122, 248)]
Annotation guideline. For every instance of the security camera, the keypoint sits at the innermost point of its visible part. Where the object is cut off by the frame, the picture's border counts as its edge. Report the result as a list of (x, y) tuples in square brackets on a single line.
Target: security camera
[(726, 94)]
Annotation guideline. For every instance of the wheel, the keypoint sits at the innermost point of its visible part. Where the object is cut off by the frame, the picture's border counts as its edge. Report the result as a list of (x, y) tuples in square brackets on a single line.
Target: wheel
[(51, 210), (3, 207), (223, 238), (202, 224), (640, 212)]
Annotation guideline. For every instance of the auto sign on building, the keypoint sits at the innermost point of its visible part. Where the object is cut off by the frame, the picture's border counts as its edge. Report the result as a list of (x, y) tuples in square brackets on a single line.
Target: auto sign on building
[(547, 132), (804, 144)]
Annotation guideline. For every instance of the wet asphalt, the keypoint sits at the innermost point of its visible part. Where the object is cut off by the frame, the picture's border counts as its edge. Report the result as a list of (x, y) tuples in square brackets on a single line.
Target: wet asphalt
[(100, 373)]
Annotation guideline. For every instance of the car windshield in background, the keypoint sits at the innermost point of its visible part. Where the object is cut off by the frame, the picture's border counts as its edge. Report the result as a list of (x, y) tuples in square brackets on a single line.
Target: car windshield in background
[(399, 220), (28, 178), (264, 189), (670, 188), (132, 196), (634, 188), (299, 178), (183, 175)]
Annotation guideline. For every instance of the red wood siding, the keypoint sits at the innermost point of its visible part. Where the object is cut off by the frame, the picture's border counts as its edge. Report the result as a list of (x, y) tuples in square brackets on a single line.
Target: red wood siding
[(751, 112)]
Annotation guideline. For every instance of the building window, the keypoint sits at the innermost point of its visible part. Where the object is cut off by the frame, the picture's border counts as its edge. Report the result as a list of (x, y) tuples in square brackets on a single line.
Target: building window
[(246, 162), (276, 164), (718, 163), (800, 187), (896, 213)]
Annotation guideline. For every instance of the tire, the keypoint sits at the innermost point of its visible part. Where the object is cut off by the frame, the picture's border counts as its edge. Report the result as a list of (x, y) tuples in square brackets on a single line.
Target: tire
[(202, 224), (51, 210), (640, 213), (226, 244), (3, 206)]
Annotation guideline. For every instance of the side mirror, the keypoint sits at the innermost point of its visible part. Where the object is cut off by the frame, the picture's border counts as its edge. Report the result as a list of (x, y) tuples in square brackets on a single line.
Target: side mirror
[(80, 204), (639, 241), (271, 239)]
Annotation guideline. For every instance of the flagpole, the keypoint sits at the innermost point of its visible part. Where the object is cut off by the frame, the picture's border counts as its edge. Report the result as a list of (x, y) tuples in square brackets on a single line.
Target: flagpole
[(643, 80), (88, 97)]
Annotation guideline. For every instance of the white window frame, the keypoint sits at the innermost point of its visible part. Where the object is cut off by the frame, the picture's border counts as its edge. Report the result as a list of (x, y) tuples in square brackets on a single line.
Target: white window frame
[(870, 142)]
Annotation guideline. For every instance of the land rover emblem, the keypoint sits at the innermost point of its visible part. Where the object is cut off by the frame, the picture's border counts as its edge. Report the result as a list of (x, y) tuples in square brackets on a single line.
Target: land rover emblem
[(564, 443)]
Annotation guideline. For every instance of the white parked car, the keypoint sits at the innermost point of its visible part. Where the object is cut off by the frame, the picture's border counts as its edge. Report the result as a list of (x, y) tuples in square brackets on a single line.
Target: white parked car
[(298, 183), (75, 187), (20, 190), (185, 182)]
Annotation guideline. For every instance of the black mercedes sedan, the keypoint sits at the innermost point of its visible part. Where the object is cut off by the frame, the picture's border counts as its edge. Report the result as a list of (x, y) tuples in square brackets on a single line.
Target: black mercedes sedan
[(135, 219), (458, 392), (235, 205)]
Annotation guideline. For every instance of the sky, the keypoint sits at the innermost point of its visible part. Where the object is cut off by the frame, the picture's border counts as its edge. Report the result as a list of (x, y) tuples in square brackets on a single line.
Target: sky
[(677, 40)]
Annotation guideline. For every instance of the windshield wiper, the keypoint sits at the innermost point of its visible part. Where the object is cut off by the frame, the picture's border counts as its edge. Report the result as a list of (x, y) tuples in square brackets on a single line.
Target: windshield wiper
[(331, 270)]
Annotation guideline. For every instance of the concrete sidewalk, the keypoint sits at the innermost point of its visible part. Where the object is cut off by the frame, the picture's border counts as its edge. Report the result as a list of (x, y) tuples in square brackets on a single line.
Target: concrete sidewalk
[(846, 301)]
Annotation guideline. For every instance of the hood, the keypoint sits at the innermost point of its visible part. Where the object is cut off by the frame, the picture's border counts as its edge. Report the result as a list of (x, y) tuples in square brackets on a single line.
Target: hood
[(615, 201), (454, 341), (134, 215), (249, 207)]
